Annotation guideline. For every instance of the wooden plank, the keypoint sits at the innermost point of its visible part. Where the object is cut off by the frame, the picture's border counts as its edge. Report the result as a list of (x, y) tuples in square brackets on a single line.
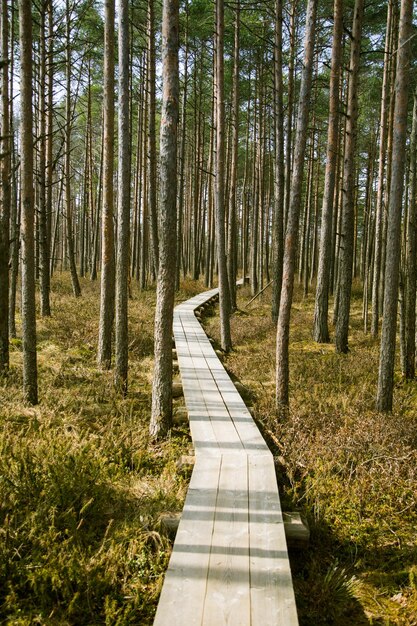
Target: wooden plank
[(228, 586), (200, 424), (184, 590), (229, 564), (242, 421), (223, 427), (272, 595), (202, 432)]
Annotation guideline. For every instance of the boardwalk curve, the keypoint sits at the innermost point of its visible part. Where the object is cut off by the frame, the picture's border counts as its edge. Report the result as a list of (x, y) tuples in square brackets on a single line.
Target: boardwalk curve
[(229, 564)]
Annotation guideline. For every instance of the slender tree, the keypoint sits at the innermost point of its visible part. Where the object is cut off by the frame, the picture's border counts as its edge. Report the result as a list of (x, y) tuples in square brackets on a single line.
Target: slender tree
[(5, 196), (44, 273), (28, 308), (389, 323), (283, 327), (107, 247), (123, 204), (68, 148), (409, 368), (49, 130), (15, 204), (152, 182), (181, 191), (321, 328), (231, 241), (226, 339), (279, 189), (348, 189), (383, 140), (162, 381)]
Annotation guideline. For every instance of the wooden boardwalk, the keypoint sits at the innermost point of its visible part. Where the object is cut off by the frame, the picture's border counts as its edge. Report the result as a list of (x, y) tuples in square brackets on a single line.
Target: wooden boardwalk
[(229, 564)]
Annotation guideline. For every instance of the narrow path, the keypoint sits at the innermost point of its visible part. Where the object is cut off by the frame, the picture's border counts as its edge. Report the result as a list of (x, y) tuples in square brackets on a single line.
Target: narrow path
[(229, 564)]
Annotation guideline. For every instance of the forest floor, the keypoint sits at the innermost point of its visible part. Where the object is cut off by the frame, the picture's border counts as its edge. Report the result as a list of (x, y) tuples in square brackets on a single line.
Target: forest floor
[(82, 488), (350, 471)]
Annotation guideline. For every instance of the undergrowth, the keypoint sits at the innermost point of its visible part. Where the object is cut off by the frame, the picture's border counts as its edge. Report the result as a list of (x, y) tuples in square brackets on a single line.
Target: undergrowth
[(351, 471), (81, 486)]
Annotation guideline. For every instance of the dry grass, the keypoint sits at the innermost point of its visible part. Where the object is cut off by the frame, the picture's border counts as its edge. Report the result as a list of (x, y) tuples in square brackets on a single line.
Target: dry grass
[(351, 471), (81, 487)]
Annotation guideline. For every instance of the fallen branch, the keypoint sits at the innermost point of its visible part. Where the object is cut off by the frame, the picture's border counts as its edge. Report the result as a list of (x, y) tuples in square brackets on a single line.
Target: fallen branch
[(258, 294)]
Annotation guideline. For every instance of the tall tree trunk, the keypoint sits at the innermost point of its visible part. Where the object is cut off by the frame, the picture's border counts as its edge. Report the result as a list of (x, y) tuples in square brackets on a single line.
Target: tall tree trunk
[(68, 122), (162, 380), (255, 188), (314, 254), (383, 137), (96, 235), (321, 328), (226, 339), (410, 275), (391, 81), (389, 323), (245, 198), (44, 272), (290, 107), (15, 208), (291, 236), (232, 235), (348, 204), (49, 127), (5, 191), (135, 256), (152, 136), (107, 250), (279, 190), (123, 204), (144, 252), (305, 237), (28, 307), (182, 154), (210, 216)]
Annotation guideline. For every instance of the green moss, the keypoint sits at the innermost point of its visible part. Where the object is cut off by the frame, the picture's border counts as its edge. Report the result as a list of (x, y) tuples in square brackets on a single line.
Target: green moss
[(81, 488), (352, 472)]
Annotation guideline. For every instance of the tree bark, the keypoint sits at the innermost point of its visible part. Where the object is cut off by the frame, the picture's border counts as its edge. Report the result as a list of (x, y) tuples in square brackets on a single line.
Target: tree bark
[(180, 218), (283, 328), (44, 273), (107, 250), (49, 128), (15, 203), (389, 323), (290, 106), (123, 204), (383, 137), (279, 189), (321, 327), (348, 189), (162, 381), (5, 191), (28, 307), (226, 339), (232, 235), (411, 245), (68, 118), (152, 137)]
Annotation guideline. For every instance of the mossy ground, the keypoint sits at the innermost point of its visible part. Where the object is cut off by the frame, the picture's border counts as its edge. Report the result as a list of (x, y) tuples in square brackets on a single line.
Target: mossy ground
[(81, 485), (351, 471)]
